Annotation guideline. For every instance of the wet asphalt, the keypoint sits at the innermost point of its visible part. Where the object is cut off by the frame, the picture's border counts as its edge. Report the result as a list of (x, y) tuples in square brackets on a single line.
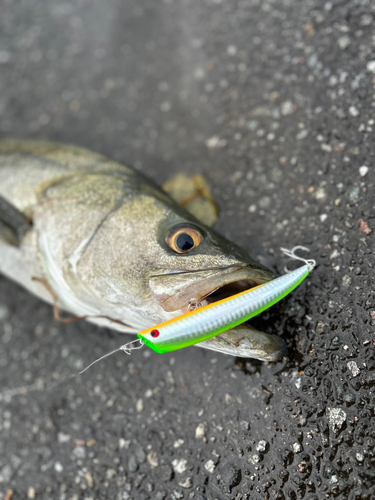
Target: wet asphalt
[(273, 102)]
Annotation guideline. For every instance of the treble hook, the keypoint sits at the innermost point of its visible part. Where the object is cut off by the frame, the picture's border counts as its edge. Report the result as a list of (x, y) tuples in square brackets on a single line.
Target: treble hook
[(292, 254)]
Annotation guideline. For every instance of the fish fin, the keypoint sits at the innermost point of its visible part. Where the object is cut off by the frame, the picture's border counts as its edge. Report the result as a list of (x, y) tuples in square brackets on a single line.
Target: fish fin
[(13, 223), (192, 193)]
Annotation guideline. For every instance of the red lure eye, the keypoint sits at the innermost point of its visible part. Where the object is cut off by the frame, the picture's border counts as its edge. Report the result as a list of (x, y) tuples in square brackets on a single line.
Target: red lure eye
[(155, 333)]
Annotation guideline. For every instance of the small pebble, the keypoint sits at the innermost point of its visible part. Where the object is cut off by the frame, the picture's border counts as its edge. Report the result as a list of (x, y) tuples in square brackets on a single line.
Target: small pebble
[(363, 170), (245, 426), (320, 327), (110, 473), (262, 445), (179, 465), (359, 457), (213, 142), (346, 280), (353, 367), (139, 406), (353, 111), (297, 448), (152, 459), (200, 431), (123, 443), (210, 466), (232, 50), (186, 483), (58, 467), (63, 438), (252, 208), (302, 134), (320, 194), (336, 418), (79, 452), (363, 226), (254, 459), (334, 254), (89, 479), (287, 108), (31, 493), (354, 193), (177, 495)]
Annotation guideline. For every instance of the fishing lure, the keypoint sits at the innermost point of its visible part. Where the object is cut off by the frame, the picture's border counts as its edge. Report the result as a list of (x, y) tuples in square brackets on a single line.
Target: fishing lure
[(208, 321)]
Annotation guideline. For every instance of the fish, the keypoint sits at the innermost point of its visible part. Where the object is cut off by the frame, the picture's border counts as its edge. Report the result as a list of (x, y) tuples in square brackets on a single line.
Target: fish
[(101, 241)]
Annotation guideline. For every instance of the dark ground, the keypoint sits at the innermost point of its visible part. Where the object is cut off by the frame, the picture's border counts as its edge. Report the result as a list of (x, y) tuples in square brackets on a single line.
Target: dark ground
[(273, 102)]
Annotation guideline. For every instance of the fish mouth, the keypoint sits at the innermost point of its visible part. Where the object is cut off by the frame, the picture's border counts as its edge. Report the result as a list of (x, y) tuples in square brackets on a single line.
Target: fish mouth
[(174, 290)]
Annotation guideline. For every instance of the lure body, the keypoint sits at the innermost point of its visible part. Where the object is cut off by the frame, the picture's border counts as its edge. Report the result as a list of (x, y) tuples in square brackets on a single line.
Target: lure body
[(213, 319)]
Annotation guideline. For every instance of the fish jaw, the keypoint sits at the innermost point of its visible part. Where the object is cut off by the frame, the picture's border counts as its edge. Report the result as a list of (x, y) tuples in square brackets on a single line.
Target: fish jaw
[(244, 341), (174, 290)]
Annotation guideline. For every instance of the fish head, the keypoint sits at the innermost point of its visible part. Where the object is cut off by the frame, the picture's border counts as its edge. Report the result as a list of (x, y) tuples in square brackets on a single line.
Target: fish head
[(166, 257), (197, 262), (130, 252)]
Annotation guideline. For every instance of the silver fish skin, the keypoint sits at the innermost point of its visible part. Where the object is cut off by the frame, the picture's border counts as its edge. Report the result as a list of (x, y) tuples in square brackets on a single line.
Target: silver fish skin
[(96, 245)]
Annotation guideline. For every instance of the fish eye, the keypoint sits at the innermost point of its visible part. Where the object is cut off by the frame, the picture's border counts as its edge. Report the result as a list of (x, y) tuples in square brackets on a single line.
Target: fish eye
[(155, 333), (183, 239)]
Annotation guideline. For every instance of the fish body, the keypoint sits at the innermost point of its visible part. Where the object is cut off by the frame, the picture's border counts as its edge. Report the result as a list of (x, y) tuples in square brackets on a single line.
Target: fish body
[(105, 242)]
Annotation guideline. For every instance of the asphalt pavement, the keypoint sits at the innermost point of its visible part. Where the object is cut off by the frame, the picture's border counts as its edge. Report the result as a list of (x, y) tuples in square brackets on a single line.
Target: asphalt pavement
[(273, 101)]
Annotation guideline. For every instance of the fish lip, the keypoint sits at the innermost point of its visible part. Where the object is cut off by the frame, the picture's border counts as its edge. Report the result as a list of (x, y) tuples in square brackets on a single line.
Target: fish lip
[(245, 341), (173, 290)]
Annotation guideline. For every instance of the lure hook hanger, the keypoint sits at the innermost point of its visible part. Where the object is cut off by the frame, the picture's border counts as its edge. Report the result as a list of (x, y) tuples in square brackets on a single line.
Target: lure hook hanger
[(292, 254), (194, 304), (127, 348)]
